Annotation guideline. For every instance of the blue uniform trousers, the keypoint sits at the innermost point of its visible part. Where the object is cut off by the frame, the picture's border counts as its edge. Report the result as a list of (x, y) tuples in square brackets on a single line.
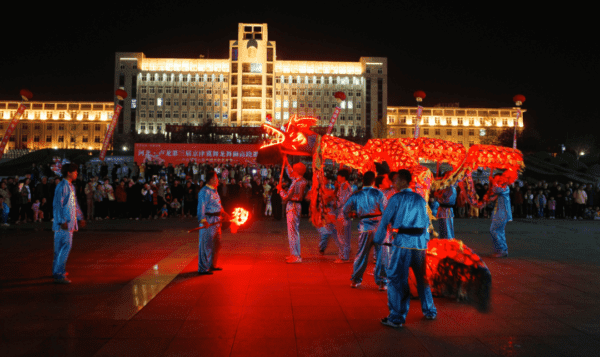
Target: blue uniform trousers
[(383, 258), (398, 290), (326, 231), (209, 245), (63, 240), (365, 242), (497, 230), (292, 214), (344, 237), (446, 228)]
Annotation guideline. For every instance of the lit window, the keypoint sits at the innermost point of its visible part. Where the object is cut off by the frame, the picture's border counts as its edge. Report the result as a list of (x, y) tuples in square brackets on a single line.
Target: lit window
[(256, 67), (159, 102)]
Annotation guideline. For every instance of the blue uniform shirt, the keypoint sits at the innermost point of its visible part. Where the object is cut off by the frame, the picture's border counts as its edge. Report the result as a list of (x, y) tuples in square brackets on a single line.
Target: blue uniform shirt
[(448, 198), (65, 207), (502, 211), (368, 201), (208, 202), (405, 209)]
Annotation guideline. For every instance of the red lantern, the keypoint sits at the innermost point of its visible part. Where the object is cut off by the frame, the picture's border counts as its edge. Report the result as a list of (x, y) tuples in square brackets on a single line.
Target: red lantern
[(25, 94), (121, 94), (519, 99), (419, 95)]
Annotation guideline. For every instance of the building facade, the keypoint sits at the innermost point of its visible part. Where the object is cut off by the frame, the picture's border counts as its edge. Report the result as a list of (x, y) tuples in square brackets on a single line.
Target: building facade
[(467, 126), (246, 87), (59, 125)]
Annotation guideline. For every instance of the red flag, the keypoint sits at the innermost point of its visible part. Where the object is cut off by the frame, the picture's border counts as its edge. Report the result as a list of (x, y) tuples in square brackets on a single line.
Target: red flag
[(336, 112), (11, 128), (110, 131)]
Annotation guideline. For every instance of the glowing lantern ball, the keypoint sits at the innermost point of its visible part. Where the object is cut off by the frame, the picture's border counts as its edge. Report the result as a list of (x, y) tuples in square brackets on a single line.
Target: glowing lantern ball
[(121, 94), (239, 217), (419, 95), (519, 99), (26, 95)]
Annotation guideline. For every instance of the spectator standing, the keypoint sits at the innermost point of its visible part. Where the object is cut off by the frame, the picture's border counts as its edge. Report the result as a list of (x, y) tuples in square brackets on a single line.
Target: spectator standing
[(518, 202), (121, 198), (580, 198)]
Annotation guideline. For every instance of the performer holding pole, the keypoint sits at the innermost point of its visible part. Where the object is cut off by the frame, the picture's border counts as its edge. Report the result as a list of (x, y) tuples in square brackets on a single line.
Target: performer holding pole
[(66, 214), (445, 213), (368, 205), (501, 215), (406, 212), (343, 191), (293, 196), (209, 214)]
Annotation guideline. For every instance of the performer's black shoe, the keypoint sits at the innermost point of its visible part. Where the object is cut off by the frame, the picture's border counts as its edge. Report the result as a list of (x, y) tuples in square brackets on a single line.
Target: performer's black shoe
[(205, 273), (430, 317), (322, 252), (389, 323), (216, 269)]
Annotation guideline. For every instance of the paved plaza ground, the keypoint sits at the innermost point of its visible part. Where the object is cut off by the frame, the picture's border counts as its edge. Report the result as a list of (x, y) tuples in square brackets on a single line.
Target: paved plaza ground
[(135, 292)]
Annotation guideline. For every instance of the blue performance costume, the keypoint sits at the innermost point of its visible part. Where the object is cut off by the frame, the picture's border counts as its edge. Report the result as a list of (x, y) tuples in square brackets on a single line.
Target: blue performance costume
[(209, 208), (344, 225), (500, 216), (294, 196), (65, 210), (406, 212), (368, 205), (342, 229), (445, 213)]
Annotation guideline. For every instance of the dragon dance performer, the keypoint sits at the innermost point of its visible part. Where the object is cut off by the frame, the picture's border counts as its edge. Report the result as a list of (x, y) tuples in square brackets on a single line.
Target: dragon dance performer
[(66, 214), (342, 226), (406, 212), (294, 196), (368, 205), (445, 213), (385, 251), (343, 191), (500, 216), (209, 212)]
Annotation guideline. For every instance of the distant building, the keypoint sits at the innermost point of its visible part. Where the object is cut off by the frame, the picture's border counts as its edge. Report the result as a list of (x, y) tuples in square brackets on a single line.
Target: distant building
[(467, 126), (246, 87), (60, 125)]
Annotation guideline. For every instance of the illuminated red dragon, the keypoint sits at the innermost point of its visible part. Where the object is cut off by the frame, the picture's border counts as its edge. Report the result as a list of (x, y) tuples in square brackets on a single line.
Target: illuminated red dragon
[(453, 269)]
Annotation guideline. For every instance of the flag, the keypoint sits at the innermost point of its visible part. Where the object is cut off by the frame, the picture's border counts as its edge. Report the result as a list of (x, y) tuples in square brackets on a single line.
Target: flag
[(11, 128), (110, 131)]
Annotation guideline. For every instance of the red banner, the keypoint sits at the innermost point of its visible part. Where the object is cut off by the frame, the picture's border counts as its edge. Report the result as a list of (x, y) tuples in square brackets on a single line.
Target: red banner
[(201, 153), (11, 127), (110, 131), (334, 117)]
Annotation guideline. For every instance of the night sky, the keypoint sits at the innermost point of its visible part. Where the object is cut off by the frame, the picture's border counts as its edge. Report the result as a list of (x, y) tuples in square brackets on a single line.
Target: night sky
[(475, 54)]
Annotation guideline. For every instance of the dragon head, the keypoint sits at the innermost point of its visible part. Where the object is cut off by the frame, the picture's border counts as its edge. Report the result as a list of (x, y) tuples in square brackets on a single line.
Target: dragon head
[(295, 138)]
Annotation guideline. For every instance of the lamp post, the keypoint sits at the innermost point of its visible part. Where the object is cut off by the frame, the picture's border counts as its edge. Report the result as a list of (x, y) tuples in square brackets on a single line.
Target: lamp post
[(518, 99), (419, 96)]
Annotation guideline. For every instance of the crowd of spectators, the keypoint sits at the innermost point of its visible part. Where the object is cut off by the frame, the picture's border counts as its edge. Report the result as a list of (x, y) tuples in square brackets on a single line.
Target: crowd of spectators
[(541, 200), (159, 191)]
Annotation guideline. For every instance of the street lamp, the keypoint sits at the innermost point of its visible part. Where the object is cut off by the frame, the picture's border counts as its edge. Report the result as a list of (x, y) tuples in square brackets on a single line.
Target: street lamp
[(580, 154)]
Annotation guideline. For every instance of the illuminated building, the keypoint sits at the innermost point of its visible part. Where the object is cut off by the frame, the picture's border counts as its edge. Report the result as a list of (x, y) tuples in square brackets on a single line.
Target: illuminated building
[(467, 126), (251, 84), (61, 125)]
